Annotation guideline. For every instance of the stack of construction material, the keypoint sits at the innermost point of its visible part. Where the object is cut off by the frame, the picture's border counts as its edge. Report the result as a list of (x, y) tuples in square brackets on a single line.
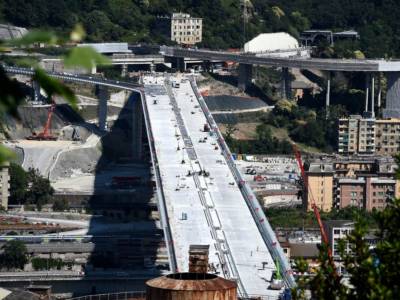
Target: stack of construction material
[(198, 258)]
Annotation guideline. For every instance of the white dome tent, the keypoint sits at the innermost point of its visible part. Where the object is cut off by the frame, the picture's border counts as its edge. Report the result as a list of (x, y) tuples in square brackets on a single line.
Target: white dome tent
[(270, 42)]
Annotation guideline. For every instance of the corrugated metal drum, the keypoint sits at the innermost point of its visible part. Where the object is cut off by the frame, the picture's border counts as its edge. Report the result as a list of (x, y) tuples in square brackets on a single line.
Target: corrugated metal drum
[(191, 286)]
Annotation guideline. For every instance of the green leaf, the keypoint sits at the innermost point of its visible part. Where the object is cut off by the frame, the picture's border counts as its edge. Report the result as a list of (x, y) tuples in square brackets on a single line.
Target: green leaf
[(85, 57), (11, 95), (26, 62), (35, 36), (78, 33), (54, 87), (5, 154)]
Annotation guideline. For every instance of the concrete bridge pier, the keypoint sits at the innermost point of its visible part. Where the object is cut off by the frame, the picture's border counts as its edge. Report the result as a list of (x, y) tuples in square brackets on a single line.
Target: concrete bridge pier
[(103, 95), (152, 67), (245, 76), (124, 70), (178, 63), (373, 95), (207, 66), (379, 97), (137, 129), (367, 83), (392, 109), (328, 94), (36, 90), (286, 84)]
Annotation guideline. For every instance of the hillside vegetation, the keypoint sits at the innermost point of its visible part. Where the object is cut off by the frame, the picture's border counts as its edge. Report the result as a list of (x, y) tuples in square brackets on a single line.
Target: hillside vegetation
[(135, 20)]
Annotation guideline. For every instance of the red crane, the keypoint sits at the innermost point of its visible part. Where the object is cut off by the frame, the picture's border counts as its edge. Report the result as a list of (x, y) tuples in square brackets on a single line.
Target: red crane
[(324, 236), (45, 134)]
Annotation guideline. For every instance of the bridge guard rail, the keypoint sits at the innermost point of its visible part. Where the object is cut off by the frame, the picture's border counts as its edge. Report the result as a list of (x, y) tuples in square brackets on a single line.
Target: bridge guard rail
[(251, 200), (160, 192)]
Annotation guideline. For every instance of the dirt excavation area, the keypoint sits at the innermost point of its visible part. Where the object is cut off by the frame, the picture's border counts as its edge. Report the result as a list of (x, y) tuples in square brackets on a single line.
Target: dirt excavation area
[(72, 161)]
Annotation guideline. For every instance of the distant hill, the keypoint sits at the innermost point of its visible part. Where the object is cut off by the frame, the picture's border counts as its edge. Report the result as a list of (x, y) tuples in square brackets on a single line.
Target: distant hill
[(136, 20)]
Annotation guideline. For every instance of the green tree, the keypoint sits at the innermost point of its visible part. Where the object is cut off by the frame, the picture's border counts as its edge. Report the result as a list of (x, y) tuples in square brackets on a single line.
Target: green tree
[(40, 190), (60, 205), (373, 273), (18, 184), (11, 93), (14, 256)]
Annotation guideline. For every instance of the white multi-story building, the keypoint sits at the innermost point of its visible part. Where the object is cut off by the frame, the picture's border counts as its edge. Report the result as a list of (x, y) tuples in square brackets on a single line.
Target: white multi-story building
[(4, 186), (186, 29), (356, 135)]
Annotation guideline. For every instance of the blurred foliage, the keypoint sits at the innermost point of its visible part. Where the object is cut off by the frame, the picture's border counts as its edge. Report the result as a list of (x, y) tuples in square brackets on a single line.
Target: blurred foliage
[(372, 272), (85, 57), (53, 87), (35, 37), (12, 94)]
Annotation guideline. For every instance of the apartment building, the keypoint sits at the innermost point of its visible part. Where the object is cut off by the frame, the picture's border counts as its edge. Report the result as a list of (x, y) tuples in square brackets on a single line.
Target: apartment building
[(356, 135), (387, 136), (4, 185), (365, 192), (185, 29), (339, 230), (320, 186), (361, 182), (368, 136)]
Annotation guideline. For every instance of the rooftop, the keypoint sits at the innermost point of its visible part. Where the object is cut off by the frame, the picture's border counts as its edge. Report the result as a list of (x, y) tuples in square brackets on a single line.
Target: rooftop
[(305, 250)]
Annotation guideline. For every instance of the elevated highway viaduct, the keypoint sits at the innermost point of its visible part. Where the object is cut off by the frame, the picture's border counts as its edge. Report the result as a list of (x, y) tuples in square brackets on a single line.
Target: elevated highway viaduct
[(214, 201), (371, 67)]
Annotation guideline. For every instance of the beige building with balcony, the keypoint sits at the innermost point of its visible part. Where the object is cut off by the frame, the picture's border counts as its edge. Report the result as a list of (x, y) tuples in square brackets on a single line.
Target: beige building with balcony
[(369, 136), (362, 182), (4, 185), (320, 186), (185, 29), (387, 136)]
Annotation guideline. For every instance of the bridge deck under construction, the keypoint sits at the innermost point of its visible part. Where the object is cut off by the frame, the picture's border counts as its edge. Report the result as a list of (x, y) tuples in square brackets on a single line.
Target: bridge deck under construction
[(203, 200)]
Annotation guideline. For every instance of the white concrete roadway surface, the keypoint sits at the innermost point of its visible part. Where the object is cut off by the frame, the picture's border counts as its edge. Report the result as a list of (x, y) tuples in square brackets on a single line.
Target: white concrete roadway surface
[(180, 191), (250, 254)]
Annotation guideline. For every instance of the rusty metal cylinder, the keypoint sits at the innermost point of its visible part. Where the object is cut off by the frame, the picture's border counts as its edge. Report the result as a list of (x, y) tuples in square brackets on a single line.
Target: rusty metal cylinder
[(191, 286)]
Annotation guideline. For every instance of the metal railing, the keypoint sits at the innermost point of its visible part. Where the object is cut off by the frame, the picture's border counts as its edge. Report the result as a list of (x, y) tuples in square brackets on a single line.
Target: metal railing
[(258, 214), (114, 296)]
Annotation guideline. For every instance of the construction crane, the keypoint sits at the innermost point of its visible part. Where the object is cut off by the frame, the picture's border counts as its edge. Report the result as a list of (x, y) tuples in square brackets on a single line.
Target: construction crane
[(45, 135), (317, 215)]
